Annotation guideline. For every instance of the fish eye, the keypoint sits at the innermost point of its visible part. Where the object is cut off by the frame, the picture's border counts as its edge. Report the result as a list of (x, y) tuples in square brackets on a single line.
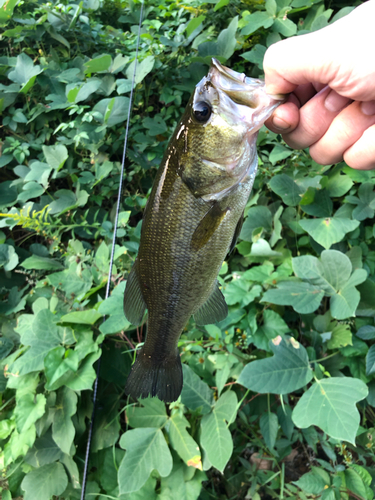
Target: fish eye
[(202, 111)]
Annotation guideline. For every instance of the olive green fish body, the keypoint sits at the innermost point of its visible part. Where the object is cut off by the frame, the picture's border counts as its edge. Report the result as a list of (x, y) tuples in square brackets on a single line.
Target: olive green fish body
[(190, 221)]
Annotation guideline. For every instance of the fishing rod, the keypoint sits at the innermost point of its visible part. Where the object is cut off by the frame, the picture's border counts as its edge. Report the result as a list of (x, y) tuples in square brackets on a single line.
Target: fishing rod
[(108, 287)]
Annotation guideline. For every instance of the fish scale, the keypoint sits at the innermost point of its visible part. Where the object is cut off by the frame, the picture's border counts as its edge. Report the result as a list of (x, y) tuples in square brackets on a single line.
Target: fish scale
[(191, 220)]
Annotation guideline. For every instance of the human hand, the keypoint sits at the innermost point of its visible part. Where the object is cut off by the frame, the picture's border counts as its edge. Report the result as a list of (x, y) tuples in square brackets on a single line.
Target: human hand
[(331, 74)]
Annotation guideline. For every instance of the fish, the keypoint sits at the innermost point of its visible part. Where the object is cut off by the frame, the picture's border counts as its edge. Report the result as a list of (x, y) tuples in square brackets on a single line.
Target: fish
[(192, 220)]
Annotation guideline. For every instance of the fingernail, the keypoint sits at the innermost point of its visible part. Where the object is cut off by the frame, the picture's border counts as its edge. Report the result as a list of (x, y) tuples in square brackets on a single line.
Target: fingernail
[(368, 108), (334, 101), (280, 124)]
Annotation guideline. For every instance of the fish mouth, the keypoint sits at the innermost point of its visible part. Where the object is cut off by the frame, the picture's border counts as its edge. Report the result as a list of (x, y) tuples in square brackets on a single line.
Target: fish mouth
[(243, 90)]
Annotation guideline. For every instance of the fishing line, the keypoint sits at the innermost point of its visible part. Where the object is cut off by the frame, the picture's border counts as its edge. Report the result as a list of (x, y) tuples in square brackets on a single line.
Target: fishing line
[(108, 287)]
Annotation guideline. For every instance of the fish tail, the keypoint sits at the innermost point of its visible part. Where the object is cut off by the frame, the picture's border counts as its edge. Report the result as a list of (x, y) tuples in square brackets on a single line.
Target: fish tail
[(149, 377)]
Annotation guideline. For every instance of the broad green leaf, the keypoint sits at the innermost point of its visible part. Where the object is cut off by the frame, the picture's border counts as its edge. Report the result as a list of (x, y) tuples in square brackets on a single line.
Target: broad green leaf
[(18, 444), (152, 414), (355, 483), (279, 153), (74, 281), (113, 306), (195, 393), (37, 262), (304, 298), (365, 202), (340, 337), (113, 111), (272, 326), (55, 156), (44, 482), (44, 451), (24, 72), (143, 69), (338, 184), (287, 189), (257, 20), (63, 430), (259, 216), (366, 332), (8, 257), (146, 450), (6, 11), (87, 317), (328, 231), (216, 439), (311, 483), (98, 64), (370, 361), (285, 26), (224, 46), (194, 23), (269, 425), (331, 405), (84, 377), (182, 442), (256, 56), (28, 410), (287, 371), (59, 367)]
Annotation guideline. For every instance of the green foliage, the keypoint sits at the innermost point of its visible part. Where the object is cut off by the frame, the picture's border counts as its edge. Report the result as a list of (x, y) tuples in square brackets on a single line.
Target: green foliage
[(291, 370)]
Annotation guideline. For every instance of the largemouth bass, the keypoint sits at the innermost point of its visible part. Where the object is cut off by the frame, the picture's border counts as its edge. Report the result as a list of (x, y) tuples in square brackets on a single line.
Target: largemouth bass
[(192, 220)]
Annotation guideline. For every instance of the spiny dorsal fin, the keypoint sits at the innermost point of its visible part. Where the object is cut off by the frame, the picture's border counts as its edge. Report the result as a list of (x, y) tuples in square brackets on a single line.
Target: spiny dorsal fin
[(134, 304), (215, 308)]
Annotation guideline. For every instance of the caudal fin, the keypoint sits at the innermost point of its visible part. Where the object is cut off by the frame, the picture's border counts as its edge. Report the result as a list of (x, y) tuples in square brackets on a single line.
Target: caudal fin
[(151, 378)]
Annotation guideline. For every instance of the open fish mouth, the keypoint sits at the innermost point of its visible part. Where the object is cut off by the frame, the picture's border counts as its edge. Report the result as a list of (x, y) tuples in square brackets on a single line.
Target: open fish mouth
[(244, 90)]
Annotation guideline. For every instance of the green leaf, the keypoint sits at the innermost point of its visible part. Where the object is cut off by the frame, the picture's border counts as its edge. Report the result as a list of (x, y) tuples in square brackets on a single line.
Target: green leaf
[(269, 425), (215, 436), (146, 450), (44, 482), (224, 46), (114, 307), (370, 361), (113, 111), (304, 298), (55, 156), (60, 365), (330, 404), (337, 184), (279, 153), (6, 11), (143, 69), (28, 410), (84, 377), (8, 257), (63, 430), (98, 64), (44, 451), (24, 72), (152, 414), (73, 281), (193, 24), (256, 56), (287, 189), (365, 202), (287, 371), (195, 393), (87, 317), (257, 20), (285, 26), (37, 262), (182, 442), (311, 483), (328, 231), (354, 483), (259, 216)]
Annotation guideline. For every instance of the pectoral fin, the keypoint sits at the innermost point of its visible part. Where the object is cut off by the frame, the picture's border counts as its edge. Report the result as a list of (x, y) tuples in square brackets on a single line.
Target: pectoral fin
[(236, 233), (207, 226), (213, 310), (134, 304)]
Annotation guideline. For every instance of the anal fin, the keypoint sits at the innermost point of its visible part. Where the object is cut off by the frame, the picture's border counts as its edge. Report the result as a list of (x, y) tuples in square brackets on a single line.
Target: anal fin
[(134, 304), (215, 308)]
